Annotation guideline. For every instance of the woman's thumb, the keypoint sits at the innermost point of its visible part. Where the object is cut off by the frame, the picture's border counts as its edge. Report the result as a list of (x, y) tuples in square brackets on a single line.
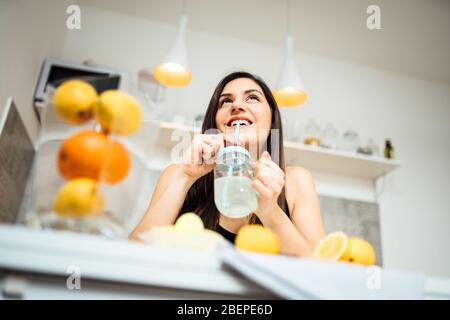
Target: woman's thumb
[(266, 154)]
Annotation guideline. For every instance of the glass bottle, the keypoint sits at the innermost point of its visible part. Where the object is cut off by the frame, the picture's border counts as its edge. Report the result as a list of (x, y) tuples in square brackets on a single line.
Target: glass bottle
[(389, 150)]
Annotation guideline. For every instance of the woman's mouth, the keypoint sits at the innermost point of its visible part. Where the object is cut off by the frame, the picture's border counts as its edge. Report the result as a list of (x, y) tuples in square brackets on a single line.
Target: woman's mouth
[(242, 122)]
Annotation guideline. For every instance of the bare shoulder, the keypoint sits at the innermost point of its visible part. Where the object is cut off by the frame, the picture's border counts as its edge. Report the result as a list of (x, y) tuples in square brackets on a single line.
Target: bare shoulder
[(299, 186), (173, 167), (298, 176), (170, 171)]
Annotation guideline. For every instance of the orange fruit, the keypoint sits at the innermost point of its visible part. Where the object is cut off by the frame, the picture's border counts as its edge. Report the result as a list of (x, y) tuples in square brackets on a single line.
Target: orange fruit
[(91, 154)]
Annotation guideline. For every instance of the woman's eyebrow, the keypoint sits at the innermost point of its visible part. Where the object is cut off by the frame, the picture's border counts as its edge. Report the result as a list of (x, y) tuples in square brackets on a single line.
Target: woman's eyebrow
[(246, 92), (252, 90)]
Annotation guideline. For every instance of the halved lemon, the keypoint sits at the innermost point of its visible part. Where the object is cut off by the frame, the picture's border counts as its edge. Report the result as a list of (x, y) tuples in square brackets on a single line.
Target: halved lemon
[(332, 247)]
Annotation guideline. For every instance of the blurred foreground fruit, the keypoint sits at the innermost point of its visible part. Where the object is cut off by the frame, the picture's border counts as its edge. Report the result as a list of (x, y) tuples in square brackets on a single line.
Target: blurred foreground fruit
[(118, 113), (359, 251), (258, 239), (78, 198), (337, 246), (92, 154), (189, 221), (75, 100), (188, 232)]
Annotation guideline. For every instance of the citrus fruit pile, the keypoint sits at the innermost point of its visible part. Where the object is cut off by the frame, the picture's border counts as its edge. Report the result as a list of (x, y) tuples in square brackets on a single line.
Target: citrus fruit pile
[(337, 246), (89, 157)]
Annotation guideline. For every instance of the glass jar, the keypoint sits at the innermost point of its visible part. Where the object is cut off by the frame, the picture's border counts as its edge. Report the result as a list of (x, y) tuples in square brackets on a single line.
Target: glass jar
[(350, 141), (330, 137), (120, 208), (234, 195), (312, 133)]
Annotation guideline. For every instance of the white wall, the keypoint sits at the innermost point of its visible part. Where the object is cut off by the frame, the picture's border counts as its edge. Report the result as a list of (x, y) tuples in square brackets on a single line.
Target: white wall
[(29, 32), (415, 208)]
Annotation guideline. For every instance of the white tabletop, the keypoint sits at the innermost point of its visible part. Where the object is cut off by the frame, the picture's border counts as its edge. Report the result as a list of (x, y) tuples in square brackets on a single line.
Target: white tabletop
[(53, 252)]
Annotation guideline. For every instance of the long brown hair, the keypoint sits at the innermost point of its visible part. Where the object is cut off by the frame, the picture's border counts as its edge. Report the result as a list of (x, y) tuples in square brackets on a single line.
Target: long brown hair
[(200, 197)]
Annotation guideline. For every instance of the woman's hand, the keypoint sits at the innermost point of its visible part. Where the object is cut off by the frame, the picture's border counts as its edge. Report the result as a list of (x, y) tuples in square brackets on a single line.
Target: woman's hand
[(202, 154), (269, 182)]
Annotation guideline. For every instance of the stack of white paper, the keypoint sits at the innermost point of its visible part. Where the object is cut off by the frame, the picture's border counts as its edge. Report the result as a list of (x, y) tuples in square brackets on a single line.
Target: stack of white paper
[(296, 278)]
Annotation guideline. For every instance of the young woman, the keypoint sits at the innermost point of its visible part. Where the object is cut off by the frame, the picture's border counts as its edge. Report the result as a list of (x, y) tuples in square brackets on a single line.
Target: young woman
[(287, 202)]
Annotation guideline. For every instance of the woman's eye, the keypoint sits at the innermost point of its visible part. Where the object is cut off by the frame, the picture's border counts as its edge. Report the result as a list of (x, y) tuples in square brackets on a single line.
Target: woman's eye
[(253, 97), (225, 101)]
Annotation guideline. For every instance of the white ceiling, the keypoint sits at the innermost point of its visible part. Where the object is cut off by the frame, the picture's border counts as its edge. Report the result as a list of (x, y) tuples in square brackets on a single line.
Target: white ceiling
[(414, 40)]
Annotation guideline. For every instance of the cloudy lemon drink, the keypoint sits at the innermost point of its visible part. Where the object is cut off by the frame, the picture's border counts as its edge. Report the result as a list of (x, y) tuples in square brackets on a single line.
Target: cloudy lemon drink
[(234, 195)]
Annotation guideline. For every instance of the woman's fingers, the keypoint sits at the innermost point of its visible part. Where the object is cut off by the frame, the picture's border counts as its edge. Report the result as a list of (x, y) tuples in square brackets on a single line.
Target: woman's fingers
[(208, 145), (268, 162), (207, 154), (205, 147), (262, 189), (196, 153), (270, 178), (269, 172)]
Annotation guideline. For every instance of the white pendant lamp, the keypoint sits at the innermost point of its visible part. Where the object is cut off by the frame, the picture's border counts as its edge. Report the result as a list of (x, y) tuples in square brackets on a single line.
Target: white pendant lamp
[(289, 91), (174, 71)]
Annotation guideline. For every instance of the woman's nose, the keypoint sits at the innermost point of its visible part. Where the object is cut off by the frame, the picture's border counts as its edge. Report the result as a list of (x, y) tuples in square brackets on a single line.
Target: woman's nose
[(237, 106)]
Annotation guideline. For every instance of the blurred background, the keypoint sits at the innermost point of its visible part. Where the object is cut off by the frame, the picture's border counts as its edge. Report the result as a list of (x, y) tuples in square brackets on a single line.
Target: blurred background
[(392, 83)]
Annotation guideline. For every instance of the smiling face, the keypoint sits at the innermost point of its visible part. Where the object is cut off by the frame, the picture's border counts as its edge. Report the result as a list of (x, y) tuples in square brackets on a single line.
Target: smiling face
[(242, 100)]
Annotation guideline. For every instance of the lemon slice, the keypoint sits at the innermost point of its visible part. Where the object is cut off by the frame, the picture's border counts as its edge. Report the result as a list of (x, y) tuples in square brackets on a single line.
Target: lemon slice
[(332, 247)]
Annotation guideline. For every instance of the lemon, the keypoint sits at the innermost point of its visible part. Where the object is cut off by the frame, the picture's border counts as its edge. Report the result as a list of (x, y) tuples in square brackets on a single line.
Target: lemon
[(189, 222), (258, 239), (332, 247), (359, 251), (118, 112), (75, 100), (78, 198)]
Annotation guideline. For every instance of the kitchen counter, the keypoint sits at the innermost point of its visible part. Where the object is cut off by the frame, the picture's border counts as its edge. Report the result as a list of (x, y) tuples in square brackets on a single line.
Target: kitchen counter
[(41, 264)]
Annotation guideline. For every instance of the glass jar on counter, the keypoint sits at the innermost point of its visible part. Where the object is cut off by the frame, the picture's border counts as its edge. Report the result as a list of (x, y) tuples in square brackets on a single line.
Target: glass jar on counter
[(234, 195)]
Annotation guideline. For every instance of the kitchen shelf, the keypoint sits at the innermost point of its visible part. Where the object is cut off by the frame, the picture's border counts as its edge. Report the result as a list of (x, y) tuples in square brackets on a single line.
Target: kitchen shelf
[(314, 158)]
